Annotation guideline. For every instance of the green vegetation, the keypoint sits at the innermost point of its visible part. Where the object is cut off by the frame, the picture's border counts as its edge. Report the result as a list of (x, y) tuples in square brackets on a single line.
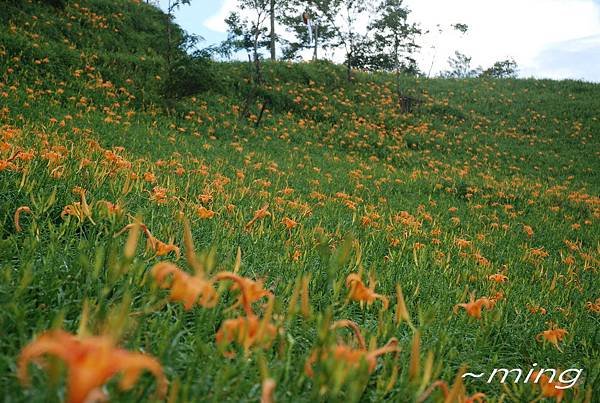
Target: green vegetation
[(482, 179)]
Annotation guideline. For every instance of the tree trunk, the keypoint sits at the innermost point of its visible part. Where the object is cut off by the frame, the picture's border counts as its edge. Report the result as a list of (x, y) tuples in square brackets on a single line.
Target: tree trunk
[(350, 48), (272, 29), (169, 40), (349, 65), (316, 34), (397, 62), (257, 60)]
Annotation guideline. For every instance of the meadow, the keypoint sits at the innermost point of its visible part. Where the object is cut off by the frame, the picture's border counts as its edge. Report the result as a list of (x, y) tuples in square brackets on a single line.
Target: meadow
[(340, 250)]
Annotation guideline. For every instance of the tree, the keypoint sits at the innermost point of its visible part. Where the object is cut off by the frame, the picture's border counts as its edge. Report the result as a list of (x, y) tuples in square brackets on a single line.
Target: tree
[(329, 23), (394, 38), (461, 28), (171, 7), (347, 34), (249, 34), (187, 71), (272, 34), (238, 37), (59, 4), (192, 71), (501, 69), (460, 67), (309, 28), (341, 16)]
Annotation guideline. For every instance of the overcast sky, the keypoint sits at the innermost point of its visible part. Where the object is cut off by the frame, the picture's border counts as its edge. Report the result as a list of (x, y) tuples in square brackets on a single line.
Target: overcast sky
[(547, 38)]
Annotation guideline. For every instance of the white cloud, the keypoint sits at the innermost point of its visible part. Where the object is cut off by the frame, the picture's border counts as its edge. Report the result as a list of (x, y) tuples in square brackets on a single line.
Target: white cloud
[(576, 59), (501, 29), (216, 22)]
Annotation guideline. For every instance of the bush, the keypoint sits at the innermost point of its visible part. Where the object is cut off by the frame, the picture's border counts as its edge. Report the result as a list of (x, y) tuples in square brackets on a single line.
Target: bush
[(502, 69), (190, 75)]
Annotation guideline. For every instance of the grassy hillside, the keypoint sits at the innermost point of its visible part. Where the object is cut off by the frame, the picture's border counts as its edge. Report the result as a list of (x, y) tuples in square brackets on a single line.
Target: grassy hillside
[(488, 188)]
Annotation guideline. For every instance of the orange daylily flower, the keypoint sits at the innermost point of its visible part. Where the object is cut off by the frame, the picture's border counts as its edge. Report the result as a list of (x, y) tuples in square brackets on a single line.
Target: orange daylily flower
[(536, 309), (553, 335), (571, 245), (149, 177), (351, 358), (547, 387), (248, 331), (361, 293), (205, 198), (268, 389), (453, 394), (184, 287), (498, 278), (289, 223), (111, 208), (569, 260), (18, 212), (536, 255), (8, 163), (593, 306), (287, 191), (250, 290), (80, 209), (159, 247), (474, 307), (5, 164), (418, 246), (259, 214), (159, 195), (482, 260), (205, 213), (91, 362), (296, 255)]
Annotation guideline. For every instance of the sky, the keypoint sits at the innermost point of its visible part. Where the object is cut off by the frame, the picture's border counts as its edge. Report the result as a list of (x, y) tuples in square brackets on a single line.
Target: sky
[(554, 39)]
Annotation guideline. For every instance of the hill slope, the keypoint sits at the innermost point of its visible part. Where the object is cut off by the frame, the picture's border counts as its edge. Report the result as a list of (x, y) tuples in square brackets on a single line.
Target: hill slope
[(484, 179)]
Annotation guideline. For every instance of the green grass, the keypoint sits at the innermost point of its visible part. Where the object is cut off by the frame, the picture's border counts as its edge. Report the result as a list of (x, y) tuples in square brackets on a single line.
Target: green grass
[(478, 160)]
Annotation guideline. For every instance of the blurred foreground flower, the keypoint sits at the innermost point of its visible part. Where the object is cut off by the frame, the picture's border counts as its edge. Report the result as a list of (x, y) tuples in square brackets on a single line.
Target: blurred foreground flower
[(184, 287), (268, 389), (348, 357), (250, 290), (453, 394), (91, 362), (549, 388), (248, 331)]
